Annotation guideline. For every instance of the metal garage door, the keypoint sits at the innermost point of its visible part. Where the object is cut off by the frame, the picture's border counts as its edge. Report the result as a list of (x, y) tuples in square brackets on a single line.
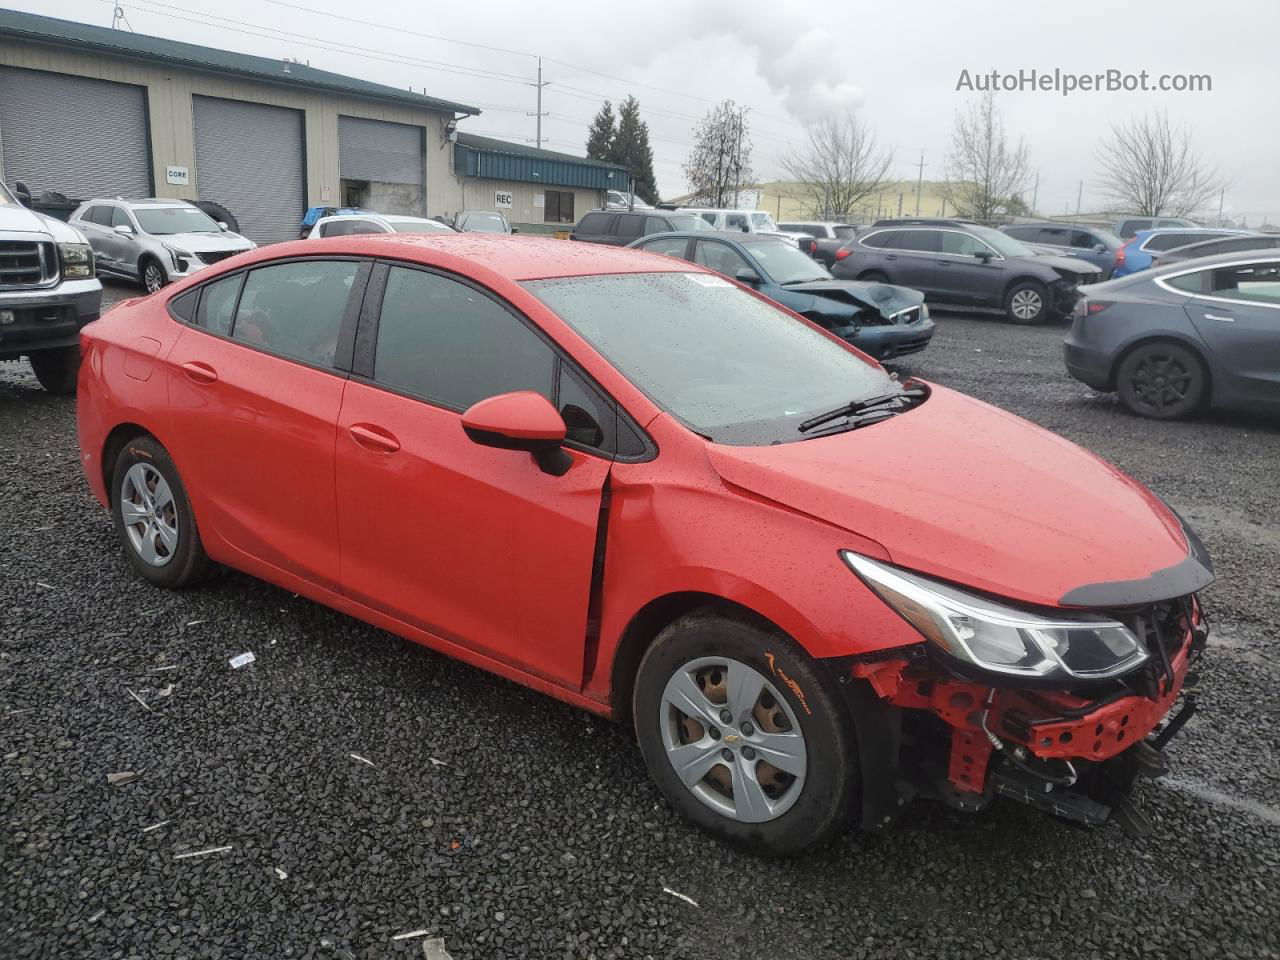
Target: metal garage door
[(379, 151), (249, 158), (83, 138)]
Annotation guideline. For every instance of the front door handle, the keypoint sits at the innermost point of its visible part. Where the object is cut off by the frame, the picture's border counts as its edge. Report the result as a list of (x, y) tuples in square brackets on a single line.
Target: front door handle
[(891, 256), (1214, 316), (199, 372), (373, 438)]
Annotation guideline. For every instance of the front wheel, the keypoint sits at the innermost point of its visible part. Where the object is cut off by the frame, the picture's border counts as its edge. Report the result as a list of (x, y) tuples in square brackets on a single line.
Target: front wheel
[(153, 277), (744, 734), (873, 276), (57, 369), (1027, 302)]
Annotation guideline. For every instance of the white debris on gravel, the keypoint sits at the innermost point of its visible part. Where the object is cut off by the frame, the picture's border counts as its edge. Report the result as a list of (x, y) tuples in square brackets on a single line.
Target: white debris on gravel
[(155, 826), (680, 896), (201, 853), (242, 660), (434, 949), (356, 756), (411, 935), (120, 779)]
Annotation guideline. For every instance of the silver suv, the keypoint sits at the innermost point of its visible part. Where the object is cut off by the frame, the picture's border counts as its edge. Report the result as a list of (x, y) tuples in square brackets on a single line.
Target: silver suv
[(154, 242)]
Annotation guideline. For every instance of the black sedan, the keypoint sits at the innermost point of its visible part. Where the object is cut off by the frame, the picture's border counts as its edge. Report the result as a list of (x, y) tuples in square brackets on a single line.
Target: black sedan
[(967, 264), (883, 320), (1174, 340)]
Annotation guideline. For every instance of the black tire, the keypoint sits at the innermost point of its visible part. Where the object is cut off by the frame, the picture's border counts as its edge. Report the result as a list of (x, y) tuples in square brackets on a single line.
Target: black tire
[(221, 213), (57, 369), (873, 276), (1023, 294), (1162, 380), (187, 563), (151, 275), (827, 792)]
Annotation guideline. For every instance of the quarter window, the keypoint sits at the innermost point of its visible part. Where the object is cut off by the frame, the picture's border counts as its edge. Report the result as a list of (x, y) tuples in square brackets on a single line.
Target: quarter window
[(1188, 282), (296, 309), (447, 342), (218, 304), (886, 238)]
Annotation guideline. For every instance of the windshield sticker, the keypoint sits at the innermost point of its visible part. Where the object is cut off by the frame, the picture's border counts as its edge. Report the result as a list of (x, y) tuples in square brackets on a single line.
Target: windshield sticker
[(708, 280)]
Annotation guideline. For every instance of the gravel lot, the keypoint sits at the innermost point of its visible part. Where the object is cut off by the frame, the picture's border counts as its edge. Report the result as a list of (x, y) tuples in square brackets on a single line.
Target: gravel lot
[(513, 826)]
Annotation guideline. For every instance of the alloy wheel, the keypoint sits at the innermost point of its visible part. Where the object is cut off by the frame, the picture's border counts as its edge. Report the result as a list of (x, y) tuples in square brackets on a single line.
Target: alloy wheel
[(152, 278), (149, 513), (1026, 304), (1161, 381), (732, 739)]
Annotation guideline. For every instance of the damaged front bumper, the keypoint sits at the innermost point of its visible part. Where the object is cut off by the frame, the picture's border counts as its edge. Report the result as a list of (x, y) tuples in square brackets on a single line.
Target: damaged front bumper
[(925, 730)]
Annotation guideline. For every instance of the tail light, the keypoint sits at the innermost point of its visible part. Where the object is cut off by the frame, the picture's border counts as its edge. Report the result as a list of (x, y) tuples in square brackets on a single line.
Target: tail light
[(842, 253), (1094, 307), (1123, 252)]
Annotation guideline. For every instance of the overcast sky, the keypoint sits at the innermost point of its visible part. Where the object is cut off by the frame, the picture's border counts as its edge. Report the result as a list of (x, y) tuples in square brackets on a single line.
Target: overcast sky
[(896, 63)]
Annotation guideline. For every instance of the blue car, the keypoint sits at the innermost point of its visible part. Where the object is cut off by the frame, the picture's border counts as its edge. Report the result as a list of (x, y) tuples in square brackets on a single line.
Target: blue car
[(1138, 251), (881, 319), (1090, 244)]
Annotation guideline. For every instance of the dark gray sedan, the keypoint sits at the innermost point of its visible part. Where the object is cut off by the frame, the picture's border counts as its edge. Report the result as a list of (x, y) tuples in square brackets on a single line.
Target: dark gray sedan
[(1181, 338)]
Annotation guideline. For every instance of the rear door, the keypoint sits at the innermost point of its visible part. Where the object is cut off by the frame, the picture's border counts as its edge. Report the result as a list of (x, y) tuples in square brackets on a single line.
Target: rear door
[(914, 261), (474, 545), (1238, 316), (255, 385)]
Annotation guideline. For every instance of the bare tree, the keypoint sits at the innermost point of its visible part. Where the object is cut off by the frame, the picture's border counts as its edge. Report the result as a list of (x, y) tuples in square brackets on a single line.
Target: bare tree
[(840, 165), (1152, 169), (719, 164), (985, 171)]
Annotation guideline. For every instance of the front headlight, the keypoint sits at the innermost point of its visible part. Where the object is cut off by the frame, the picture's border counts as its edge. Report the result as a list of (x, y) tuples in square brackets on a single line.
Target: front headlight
[(181, 258), (76, 261), (1003, 639)]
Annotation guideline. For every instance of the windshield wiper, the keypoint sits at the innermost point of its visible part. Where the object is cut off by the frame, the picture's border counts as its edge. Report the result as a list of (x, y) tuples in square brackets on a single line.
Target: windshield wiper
[(868, 409)]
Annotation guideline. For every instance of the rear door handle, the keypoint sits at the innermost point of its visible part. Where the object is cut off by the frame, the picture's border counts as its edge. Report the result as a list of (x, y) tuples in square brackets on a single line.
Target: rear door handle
[(199, 372), (891, 256), (1214, 316), (373, 438)]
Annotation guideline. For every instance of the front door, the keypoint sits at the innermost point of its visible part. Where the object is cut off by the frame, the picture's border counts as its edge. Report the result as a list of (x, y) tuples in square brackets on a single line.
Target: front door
[(966, 277), (1239, 318), (475, 545), (255, 386)]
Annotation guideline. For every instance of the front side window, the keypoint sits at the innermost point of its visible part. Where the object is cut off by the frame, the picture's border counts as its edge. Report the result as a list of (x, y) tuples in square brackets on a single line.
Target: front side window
[(733, 367), (163, 221), (1256, 282), (762, 221), (710, 218), (785, 263), (846, 232), (484, 222), (735, 221), (1053, 236), (595, 223), (688, 222), (962, 245), (670, 246), (218, 304), (719, 257), (296, 309), (120, 219), (1002, 243), (447, 342), (349, 227)]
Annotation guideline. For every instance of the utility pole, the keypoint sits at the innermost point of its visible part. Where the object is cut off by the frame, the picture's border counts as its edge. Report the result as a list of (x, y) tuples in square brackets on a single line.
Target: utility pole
[(919, 182), (899, 206), (1222, 197), (1035, 194), (539, 85), (1079, 195)]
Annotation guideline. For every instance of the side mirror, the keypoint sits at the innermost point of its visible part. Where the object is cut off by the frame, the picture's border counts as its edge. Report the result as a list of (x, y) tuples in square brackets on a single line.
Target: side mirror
[(22, 192), (523, 420), (1099, 248), (123, 229), (747, 275), (514, 230), (223, 227), (983, 255), (746, 228)]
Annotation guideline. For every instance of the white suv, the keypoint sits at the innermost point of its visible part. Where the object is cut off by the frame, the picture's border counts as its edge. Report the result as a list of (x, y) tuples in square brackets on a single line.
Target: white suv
[(748, 221)]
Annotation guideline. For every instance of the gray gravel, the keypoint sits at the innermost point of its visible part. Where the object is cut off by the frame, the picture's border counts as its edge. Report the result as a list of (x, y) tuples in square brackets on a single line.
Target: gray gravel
[(539, 835)]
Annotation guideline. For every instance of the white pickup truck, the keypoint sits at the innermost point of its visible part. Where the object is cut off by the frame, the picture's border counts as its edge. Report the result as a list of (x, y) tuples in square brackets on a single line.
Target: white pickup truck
[(48, 291)]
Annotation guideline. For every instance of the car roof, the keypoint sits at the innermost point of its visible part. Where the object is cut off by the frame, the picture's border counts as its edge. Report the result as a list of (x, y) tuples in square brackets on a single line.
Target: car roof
[(514, 258), (729, 236), (1225, 231), (387, 217), (142, 202), (1213, 260)]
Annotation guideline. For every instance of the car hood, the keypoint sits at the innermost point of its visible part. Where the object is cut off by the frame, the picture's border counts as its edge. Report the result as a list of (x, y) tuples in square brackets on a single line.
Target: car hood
[(1068, 267), (17, 219), (968, 493), (883, 297), (206, 242)]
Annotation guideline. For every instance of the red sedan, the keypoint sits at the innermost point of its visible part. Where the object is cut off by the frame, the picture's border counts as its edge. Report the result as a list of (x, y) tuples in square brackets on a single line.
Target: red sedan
[(630, 483)]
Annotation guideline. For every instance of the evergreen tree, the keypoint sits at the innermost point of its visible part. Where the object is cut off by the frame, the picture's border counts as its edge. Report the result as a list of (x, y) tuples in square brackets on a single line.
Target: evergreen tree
[(601, 136), (631, 149)]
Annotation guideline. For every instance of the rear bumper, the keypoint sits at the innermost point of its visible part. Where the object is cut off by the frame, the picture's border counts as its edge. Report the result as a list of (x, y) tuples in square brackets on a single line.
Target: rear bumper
[(32, 320), (1088, 364)]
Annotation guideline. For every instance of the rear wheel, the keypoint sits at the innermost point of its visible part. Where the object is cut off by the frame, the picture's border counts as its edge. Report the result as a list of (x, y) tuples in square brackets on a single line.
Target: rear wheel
[(153, 516), (873, 276), (1164, 381), (57, 369), (744, 734), (1027, 302)]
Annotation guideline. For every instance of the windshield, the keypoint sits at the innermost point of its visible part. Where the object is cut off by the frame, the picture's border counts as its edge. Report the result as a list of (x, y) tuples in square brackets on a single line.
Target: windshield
[(762, 221), (687, 222), (162, 221), (1003, 244), (484, 223), (419, 226), (786, 264), (6, 198), (728, 364)]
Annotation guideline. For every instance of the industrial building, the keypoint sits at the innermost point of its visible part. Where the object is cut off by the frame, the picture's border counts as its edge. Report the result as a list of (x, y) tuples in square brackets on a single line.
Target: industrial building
[(87, 111)]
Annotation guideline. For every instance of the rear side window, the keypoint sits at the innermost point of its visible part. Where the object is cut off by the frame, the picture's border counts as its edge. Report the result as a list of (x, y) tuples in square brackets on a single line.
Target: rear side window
[(296, 309), (1024, 233), (595, 223), (218, 304), (671, 246), (846, 233), (918, 241), (347, 228), (1130, 227), (1169, 241), (628, 225), (1054, 236), (1258, 282), (447, 342)]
